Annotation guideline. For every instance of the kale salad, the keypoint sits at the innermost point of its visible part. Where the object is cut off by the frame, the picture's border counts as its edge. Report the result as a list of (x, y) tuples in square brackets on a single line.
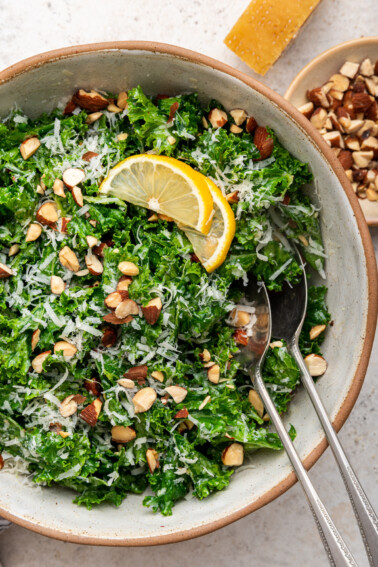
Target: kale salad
[(117, 347)]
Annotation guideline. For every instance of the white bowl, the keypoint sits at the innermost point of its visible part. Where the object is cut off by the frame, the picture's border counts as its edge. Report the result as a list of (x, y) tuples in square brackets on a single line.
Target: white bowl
[(37, 85), (319, 70)]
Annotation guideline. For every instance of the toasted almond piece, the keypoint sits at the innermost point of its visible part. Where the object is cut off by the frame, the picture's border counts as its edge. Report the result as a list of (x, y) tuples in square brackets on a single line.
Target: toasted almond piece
[(352, 143), (68, 259), (209, 364), (123, 283), (367, 68), (204, 403), (113, 108), (182, 413), (68, 406), (362, 159), (340, 82), (57, 285), (233, 197), (316, 364), (239, 115), (351, 126), (128, 268), (235, 129), (178, 393), (307, 109), (29, 147), (159, 376), (63, 434), (256, 402), (303, 239), (165, 217), (126, 383), (205, 355), (138, 373), (213, 374), (276, 344), (319, 118), (250, 125), (171, 140), (318, 97), (91, 101), (88, 156), (58, 188), (34, 232), (349, 69), (327, 87), (153, 218), (122, 100), (66, 348), (233, 455), (371, 194), (94, 264), (345, 158), (205, 123), (316, 331), (47, 214), (152, 458), (77, 196), (122, 434), (338, 95), (371, 86), (82, 273), (144, 399), (239, 318), (13, 250), (111, 318), (37, 362), (152, 310), (126, 308), (73, 176), (368, 128), (93, 117), (217, 118), (35, 338), (92, 241), (115, 298), (370, 143), (93, 386), (334, 139), (91, 412), (109, 337)]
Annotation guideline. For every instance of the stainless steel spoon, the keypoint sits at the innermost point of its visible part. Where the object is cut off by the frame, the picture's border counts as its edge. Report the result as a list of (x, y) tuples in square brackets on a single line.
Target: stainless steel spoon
[(288, 309), (251, 357)]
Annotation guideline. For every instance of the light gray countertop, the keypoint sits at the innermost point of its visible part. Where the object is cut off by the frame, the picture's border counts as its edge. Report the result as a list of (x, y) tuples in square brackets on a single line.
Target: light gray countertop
[(283, 533)]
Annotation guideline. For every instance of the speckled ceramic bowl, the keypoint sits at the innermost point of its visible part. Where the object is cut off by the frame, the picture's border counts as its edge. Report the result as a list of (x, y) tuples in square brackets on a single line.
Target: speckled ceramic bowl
[(319, 70), (37, 85)]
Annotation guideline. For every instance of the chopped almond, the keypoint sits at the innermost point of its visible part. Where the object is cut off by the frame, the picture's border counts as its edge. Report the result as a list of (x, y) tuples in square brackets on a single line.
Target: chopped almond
[(178, 393), (57, 285), (128, 268), (29, 147), (33, 233), (121, 434), (233, 455), (144, 400)]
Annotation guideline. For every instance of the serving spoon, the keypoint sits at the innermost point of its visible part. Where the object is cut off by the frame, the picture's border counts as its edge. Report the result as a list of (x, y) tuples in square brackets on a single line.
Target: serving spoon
[(251, 357), (288, 311)]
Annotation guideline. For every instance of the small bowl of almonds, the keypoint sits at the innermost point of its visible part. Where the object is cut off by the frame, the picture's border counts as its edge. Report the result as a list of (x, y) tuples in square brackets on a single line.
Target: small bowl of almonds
[(338, 92)]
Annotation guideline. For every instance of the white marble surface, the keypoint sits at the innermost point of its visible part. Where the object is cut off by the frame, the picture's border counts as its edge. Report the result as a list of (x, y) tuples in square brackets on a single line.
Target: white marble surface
[(282, 533)]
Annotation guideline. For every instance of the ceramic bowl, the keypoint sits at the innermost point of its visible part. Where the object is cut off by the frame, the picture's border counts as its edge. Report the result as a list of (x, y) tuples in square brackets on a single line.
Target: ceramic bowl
[(37, 85), (319, 70)]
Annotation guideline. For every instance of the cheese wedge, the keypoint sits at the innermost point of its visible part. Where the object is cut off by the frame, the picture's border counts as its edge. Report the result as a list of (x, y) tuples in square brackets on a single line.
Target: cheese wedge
[(266, 28)]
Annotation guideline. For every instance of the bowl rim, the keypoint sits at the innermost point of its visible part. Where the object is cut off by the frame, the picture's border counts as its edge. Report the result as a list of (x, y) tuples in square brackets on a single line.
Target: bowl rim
[(316, 62), (371, 272)]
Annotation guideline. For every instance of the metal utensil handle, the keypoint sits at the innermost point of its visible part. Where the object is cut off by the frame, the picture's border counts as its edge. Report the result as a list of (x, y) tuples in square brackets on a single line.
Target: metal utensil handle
[(366, 517), (337, 550)]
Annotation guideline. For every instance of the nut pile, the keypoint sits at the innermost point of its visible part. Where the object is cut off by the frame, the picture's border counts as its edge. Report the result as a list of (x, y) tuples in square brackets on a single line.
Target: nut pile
[(345, 111)]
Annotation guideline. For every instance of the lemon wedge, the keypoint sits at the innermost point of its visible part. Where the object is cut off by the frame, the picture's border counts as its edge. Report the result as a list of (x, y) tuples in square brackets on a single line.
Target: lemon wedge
[(212, 249), (164, 185)]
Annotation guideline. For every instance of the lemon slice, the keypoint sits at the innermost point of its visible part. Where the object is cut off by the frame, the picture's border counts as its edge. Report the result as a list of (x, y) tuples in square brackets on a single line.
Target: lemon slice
[(164, 185), (212, 249)]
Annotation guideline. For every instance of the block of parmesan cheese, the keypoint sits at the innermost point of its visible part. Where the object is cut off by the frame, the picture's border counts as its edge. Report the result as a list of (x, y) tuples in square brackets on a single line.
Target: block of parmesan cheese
[(266, 28)]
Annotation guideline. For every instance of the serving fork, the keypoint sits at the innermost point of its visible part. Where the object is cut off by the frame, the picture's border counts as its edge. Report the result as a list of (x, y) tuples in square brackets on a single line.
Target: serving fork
[(251, 357), (288, 311)]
